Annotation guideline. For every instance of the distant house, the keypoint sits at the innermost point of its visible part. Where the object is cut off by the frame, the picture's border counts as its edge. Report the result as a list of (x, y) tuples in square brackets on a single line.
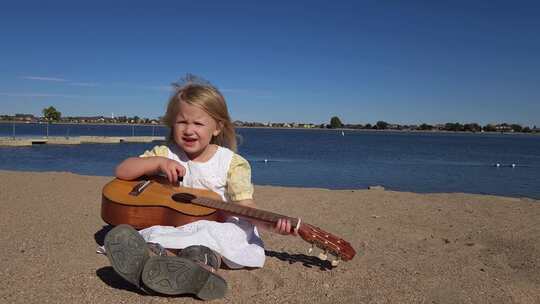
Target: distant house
[(439, 126), (504, 128), (25, 117)]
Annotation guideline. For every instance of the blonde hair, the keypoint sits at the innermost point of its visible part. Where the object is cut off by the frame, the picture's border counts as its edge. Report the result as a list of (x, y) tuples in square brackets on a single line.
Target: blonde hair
[(199, 92)]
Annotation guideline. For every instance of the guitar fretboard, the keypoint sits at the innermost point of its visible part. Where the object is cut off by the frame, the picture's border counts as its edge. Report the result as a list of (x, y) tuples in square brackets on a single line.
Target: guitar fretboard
[(244, 211)]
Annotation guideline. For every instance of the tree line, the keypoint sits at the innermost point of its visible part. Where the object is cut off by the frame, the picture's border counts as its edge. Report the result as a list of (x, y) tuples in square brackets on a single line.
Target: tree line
[(51, 114), (336, 123)]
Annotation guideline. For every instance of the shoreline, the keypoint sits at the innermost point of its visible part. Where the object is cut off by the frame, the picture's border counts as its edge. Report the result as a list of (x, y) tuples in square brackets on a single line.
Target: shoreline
[(76, 140), (375, 187), (411, 248), (289, 128)]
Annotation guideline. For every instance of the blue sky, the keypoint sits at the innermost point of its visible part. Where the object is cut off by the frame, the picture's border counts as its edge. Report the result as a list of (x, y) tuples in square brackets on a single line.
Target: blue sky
[(283, 61)]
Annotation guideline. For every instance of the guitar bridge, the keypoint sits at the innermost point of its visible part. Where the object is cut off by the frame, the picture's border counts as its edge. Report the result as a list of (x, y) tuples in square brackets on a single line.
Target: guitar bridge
[(139, 188)]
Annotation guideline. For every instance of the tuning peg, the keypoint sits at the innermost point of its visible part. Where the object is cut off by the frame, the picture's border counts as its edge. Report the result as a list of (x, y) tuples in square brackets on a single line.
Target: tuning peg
[(335, 262), (323, 255), (310, 250)]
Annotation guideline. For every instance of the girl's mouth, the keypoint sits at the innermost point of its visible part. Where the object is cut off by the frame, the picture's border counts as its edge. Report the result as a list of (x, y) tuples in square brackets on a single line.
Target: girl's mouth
[(189, 141)]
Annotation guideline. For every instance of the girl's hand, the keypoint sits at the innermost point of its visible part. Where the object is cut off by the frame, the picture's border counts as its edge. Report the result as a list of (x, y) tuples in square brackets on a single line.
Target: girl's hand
[(172, 169), (284, 226)]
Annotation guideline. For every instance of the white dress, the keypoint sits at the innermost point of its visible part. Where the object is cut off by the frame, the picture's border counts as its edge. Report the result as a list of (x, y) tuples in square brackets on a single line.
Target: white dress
[(237, 240)]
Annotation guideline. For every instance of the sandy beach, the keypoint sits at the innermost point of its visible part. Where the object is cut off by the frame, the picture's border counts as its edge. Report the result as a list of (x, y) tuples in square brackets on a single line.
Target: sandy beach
[(412, 248)]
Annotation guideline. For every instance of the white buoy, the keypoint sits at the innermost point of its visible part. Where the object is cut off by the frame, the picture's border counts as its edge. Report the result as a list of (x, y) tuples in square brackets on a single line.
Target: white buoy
[(265, 160), (497, 165), (513, 165)]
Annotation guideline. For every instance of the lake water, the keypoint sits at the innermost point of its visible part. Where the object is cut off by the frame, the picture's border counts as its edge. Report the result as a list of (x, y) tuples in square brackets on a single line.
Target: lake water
[(418, 162)]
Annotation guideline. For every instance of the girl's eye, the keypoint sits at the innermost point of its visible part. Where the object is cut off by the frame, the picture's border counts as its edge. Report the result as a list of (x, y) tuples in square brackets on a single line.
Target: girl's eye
[(199, 123)]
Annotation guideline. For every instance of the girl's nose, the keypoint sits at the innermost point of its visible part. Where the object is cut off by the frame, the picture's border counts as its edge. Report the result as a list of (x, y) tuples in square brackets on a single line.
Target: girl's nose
[(188, 129)]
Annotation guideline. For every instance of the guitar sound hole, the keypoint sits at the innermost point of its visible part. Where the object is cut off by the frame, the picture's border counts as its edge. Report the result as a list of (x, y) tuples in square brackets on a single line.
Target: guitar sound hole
[(183, 197)]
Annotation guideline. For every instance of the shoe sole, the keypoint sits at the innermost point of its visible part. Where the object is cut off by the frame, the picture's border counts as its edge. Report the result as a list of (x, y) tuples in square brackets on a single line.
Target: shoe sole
[(201, 254), (176, 276), (127, 252)]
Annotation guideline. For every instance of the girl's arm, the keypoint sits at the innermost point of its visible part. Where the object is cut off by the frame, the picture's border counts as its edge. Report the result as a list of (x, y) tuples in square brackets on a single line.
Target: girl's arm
[(239, 183), (283, 226), (135, 167)]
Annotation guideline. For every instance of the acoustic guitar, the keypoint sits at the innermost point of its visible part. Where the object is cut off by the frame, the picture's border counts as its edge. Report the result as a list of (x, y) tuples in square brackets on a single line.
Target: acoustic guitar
[(153, 201)]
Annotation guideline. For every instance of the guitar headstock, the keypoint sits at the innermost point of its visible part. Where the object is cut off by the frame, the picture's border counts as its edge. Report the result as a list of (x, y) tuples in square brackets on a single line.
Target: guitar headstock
[(326, 241)]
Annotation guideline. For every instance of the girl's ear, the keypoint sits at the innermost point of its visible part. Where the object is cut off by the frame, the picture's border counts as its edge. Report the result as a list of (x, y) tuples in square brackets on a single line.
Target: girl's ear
[(218, 129)]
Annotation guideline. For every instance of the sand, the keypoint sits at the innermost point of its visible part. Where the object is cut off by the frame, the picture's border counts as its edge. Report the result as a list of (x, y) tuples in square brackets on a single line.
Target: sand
[(412, 248)]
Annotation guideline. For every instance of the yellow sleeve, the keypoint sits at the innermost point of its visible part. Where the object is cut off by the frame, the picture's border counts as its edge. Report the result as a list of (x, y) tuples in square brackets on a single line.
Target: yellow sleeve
[(239, 185), (156, 151)]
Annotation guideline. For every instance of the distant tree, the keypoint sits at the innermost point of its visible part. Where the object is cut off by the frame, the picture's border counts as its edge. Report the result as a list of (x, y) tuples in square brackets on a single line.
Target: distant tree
[(526, 130), (453, 126), (368, 126), (489, 128), (472, 127), (335, 122), (425, 127), (381, 125), (516, 127), (51, 114)]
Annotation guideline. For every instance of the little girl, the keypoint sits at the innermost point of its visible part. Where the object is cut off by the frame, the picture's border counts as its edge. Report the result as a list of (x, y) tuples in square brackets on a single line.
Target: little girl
[(201, 153)]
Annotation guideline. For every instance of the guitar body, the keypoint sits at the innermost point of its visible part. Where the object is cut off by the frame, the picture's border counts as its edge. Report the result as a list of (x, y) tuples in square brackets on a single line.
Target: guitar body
[(153, 206)]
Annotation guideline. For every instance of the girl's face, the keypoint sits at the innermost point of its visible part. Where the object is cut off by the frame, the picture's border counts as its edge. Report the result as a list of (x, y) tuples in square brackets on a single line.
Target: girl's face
[(193, 131)]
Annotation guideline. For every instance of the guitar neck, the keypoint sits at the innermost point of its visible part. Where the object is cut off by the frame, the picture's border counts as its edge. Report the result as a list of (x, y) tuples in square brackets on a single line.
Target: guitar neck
[(243, 211)]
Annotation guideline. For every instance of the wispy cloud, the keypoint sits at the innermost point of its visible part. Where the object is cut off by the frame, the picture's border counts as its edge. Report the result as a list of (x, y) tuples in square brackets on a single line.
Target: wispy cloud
[(11, 94), (92, 97), (42, 78), (84, 84), (63, 80)]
